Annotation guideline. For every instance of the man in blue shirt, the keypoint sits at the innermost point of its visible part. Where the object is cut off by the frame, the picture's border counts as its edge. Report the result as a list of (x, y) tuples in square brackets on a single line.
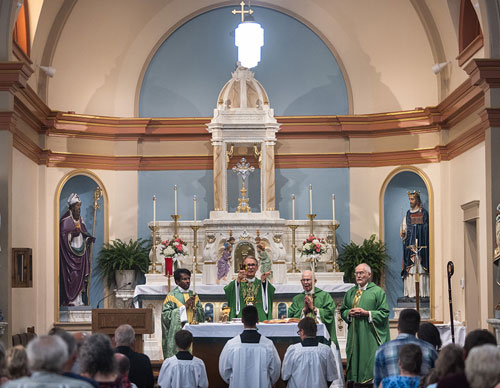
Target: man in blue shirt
[(386, 358)]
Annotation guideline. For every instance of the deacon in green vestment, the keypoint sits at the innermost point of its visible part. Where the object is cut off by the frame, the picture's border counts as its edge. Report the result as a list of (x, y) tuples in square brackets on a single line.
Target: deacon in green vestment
[(366, 312), (250, 291), (321, 306), (181, 306)]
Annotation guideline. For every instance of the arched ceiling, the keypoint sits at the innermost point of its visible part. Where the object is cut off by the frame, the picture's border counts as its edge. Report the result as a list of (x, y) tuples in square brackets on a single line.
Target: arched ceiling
[(386, 48)]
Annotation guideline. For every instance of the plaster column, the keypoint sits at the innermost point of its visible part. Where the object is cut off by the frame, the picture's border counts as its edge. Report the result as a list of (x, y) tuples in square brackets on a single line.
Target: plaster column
[(485, 73), (269, 186), (219, 167)]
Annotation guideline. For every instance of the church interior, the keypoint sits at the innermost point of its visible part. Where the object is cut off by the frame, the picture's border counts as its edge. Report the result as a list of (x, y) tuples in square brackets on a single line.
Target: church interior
[(142, 109)]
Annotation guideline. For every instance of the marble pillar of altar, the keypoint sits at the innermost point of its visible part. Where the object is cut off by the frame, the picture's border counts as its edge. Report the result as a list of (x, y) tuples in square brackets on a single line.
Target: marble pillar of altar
[(267, 177)]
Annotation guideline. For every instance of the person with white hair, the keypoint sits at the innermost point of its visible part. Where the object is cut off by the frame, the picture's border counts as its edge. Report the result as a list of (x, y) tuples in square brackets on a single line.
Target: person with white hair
[(46, 356), (74, 254), (141, 372), (366, 312), (482, 366)]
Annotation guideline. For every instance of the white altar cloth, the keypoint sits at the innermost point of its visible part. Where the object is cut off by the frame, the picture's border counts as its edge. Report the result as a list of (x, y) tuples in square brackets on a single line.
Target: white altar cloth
[(445, 333), (230, 330)]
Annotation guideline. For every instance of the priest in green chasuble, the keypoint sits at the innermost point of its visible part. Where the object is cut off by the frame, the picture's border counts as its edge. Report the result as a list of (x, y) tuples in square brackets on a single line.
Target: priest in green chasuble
[(249, 290), (367, 315), (181, 306)]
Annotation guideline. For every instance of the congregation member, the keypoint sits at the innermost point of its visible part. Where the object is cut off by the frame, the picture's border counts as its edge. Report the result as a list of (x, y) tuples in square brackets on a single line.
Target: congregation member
[(318, 304), (47, 355), (409, 361), (123, 367), (17, 362), (97, 361), (248, 290), (474, 339), (79, 337), (482, 366), (309, 363), (386, 359), (70, 342), (183, 370), (4, 373), (429, 333), (450, 361), (181, 306), (249, 360), (365, 310), (141, 372)]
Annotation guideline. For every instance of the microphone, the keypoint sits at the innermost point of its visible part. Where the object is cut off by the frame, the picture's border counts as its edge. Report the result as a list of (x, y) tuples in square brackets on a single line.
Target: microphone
[(113, 293)]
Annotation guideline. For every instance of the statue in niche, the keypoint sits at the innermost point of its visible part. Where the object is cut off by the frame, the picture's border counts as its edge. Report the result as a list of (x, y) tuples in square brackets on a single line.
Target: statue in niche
[(210, 250), (74, 255), (265, 263), (243, 249), (224, 262), (414, 234)]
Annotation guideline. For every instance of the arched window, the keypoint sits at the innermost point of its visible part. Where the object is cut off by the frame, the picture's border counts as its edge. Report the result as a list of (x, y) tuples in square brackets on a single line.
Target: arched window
[(470, 37), (22, 29)]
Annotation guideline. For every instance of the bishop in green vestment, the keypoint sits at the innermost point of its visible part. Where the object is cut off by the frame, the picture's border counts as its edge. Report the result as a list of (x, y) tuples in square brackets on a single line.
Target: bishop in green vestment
[(366, 312), (249, 290), (181, 306), (321, 305)]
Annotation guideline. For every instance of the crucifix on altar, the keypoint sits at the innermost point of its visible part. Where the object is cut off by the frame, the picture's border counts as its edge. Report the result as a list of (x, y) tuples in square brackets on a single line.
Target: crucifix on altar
[(243, 170)]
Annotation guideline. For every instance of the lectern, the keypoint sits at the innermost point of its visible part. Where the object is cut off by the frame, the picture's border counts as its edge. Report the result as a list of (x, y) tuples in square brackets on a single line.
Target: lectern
[(107, 320)]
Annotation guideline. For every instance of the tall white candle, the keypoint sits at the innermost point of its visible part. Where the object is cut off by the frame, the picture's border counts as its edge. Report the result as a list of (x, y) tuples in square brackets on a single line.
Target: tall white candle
[(333, 207), (194, 204), (154, 210), (175, 200), (293, 207), (194, 280), (310, 199)]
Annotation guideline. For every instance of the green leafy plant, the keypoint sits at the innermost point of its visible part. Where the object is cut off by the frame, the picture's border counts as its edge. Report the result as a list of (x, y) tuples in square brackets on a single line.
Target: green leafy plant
[(370, 252), (119, 255)]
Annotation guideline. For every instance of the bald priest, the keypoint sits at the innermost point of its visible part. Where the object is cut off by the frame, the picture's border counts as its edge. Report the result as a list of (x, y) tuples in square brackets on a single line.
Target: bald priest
[(248, 290)]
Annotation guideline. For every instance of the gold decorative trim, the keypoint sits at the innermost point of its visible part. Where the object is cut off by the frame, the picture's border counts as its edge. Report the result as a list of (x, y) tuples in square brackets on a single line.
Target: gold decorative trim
[(430, 192), (57, 196)]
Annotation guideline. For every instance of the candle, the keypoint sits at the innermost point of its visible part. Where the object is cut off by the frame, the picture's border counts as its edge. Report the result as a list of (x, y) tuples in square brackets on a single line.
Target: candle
[(310, 199), (333, 207), (194, 279), (175, 200), (154, 210), (194, 204), (293, 207)]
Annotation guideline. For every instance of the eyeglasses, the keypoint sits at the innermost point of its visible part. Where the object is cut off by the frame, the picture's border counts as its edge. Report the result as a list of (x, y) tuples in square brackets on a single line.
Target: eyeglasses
[(251, 265), (298, 331)]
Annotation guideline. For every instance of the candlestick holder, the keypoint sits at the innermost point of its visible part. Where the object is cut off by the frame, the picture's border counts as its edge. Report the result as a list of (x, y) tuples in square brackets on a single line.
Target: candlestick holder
[(176, 218), (154, 232), (311, 225), (333, 241), (195, 248), (294, 263)]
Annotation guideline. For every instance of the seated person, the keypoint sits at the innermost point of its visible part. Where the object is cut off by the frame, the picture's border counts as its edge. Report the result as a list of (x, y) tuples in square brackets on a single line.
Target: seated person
[(183, 369), (410, 361)]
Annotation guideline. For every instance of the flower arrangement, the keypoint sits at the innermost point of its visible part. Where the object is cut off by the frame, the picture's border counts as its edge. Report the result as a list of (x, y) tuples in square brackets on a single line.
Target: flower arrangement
[(313, 246), (171, 252)]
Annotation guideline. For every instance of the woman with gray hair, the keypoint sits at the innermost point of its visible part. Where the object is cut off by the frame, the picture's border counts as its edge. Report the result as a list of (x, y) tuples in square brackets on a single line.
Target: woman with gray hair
[(97, 361), (482, 366), (4, 374)]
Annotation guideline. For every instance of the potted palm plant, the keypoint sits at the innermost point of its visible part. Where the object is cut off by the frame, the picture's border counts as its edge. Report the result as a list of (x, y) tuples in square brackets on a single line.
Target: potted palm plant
[(371, 252), (119, 261)]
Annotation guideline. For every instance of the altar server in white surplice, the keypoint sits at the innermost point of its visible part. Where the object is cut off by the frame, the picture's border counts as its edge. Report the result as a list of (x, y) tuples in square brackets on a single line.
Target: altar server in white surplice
[(249, 360), (309, 363), (183, 370)]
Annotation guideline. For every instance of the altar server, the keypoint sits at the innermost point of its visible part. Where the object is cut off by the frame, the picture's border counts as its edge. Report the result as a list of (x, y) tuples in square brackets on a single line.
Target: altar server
[(309, 363), (183, 370), (249, 359)]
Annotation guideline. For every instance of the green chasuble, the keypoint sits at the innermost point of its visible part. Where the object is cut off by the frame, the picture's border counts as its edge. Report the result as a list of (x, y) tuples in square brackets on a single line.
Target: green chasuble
[(363, 337), (264, 307), (323, 301), (171, 319)]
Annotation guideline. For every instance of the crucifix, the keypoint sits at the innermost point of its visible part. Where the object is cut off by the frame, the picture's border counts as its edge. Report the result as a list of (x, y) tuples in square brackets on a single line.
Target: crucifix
[(242, 12), (243, 169)]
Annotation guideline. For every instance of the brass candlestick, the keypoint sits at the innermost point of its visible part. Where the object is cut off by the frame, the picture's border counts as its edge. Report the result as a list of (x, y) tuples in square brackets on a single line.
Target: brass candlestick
[(311, 226), (154, 231), (294, 263), (333, 242), (195, 248), (176, 218)]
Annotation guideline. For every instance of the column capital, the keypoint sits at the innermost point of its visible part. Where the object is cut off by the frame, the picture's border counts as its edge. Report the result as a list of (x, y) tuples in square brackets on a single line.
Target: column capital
[(14, 75)]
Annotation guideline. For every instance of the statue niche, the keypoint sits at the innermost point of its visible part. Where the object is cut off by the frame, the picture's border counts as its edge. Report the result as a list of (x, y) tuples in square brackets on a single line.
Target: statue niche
[(243, 249)]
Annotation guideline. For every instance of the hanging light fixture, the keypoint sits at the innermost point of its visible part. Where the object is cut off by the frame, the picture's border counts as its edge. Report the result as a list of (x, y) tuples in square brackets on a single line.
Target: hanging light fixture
[(249, 38)]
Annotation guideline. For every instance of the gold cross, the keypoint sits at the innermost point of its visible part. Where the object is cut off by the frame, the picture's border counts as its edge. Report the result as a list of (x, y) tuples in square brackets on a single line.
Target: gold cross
[(242, 12)]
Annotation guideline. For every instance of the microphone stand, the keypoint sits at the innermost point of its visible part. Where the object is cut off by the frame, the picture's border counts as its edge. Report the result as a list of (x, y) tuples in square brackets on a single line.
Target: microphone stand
[(113, 293)]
